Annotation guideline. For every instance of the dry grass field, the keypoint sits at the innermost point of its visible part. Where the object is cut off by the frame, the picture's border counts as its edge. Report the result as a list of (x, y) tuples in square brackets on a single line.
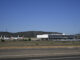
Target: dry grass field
[(39, 44)]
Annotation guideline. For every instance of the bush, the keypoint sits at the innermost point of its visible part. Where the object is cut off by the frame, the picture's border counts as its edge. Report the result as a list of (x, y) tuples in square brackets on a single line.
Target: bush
[(29, 39), (2, 40), (25, 40)]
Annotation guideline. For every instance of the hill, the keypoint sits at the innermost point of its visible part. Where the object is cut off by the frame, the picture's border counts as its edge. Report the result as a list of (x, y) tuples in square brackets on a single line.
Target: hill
[(27, 33)]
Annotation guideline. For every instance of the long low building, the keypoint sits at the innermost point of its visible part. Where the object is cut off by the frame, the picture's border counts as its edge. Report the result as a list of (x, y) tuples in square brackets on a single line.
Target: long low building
[(55, 36), (11, 38)]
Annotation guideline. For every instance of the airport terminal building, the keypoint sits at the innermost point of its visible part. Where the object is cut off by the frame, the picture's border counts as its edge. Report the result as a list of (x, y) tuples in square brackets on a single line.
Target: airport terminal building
[(55, 36)]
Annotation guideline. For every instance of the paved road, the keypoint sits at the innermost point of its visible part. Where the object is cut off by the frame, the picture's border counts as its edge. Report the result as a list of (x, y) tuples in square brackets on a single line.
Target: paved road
[(39, 54), (70, 57)]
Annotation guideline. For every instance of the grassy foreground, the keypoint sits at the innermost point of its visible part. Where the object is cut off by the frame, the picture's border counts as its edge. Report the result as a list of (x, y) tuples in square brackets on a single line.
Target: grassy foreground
[(39, 44)]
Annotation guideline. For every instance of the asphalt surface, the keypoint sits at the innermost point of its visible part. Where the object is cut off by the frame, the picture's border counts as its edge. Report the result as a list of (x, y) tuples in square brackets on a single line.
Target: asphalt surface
[(70, 57), (40, 54)]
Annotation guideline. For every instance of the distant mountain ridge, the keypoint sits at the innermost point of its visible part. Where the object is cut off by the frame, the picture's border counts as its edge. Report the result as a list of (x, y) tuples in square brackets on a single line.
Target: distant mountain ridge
[(27, 33)]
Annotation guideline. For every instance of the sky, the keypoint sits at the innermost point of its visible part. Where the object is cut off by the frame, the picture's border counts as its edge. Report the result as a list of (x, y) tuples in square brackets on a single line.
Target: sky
[(40, 15)]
